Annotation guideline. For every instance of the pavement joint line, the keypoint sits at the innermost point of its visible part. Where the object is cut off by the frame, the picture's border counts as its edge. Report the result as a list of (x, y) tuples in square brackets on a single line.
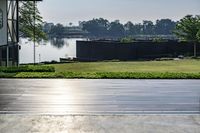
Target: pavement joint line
[(100, 114), (107, 113)]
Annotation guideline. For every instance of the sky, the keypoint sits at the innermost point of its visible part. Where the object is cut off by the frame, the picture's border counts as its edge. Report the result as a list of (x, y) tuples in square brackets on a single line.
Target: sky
[(66, 11)]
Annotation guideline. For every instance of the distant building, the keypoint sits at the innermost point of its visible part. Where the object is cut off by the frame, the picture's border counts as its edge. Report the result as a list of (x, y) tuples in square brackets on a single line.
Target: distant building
[(74, 31)]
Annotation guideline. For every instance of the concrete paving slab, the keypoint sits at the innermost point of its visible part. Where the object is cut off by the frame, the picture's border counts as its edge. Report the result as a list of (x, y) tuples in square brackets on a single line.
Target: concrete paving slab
[(99, 123)]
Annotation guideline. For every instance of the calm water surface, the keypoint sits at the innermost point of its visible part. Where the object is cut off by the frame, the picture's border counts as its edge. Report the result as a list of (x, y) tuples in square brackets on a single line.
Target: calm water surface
[(47, 51)]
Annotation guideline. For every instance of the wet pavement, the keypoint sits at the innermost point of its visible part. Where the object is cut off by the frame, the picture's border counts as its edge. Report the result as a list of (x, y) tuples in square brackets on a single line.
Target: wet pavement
[(80, 96)]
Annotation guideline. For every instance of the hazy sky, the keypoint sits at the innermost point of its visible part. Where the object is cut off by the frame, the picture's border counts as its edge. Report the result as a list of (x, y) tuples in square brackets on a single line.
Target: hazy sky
[(65, 11)]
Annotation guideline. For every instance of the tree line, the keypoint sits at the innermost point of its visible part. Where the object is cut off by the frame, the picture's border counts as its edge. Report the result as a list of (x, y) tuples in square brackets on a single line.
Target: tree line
[(102, 28)]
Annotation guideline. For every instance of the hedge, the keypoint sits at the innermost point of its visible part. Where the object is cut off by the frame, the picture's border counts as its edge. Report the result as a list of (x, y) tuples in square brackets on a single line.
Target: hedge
[(102, 75), (27, 69)]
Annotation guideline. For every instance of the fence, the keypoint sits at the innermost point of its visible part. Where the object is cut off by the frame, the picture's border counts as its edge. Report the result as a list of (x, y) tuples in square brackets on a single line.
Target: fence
[(105, 50)]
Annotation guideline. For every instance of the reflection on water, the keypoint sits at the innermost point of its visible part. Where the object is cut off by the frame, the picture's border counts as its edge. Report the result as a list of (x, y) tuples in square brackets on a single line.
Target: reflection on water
[(58, 42), (53, 49)]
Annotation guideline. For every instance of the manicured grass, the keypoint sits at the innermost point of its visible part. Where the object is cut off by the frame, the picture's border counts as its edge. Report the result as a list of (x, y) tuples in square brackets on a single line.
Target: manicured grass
[(185, 66), (182, 69)]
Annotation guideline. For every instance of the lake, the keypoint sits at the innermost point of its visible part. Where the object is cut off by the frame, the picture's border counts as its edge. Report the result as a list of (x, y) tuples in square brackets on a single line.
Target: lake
[(53, 49)]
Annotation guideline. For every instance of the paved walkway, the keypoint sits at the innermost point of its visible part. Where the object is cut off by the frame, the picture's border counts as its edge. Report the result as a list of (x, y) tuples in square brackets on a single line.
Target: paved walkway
[(62, 96), (100, 124)]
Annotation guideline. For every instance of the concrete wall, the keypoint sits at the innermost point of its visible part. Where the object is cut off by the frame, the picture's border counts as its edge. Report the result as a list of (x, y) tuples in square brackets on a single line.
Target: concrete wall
[(3, 31), (95, 50)]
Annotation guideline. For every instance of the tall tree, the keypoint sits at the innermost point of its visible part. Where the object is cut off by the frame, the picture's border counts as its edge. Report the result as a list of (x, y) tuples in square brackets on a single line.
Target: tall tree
[(148, 27), (96, 27), (164, 27), (57, 31), (116, 29), (188, 30), (129, 28), (30, 21), (138, 29)]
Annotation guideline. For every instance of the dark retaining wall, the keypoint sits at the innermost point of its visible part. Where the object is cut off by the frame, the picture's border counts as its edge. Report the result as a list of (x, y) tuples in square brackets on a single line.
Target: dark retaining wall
[(100, 50)]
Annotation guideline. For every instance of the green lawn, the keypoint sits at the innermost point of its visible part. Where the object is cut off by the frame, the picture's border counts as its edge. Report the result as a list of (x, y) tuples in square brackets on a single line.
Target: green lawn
[(182, 69), (184, 66)]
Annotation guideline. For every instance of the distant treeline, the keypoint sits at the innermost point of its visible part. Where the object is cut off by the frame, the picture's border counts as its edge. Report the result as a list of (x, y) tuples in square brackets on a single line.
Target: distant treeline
[(103, 29)]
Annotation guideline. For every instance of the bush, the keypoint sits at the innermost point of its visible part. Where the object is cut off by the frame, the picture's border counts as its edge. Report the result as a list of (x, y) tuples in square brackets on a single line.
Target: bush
[(127, 40), (7, 75), (158, 39), (104, 75), (27, 69)]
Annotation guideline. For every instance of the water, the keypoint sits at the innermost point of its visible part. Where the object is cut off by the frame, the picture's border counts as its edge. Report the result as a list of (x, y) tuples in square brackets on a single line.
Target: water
[(53, 49)]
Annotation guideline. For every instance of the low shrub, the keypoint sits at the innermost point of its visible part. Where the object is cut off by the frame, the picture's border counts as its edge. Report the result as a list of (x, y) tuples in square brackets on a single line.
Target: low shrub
[(27, 69), (7, 75), (103, 75)]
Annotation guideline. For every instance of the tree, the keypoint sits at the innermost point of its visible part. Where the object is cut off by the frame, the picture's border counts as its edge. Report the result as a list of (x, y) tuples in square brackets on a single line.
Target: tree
[(164, 27), (188, 30), (128, 27), (96, 27), (57, 31), (116, 29), (30, 21), (148, 27), (137, 29)]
